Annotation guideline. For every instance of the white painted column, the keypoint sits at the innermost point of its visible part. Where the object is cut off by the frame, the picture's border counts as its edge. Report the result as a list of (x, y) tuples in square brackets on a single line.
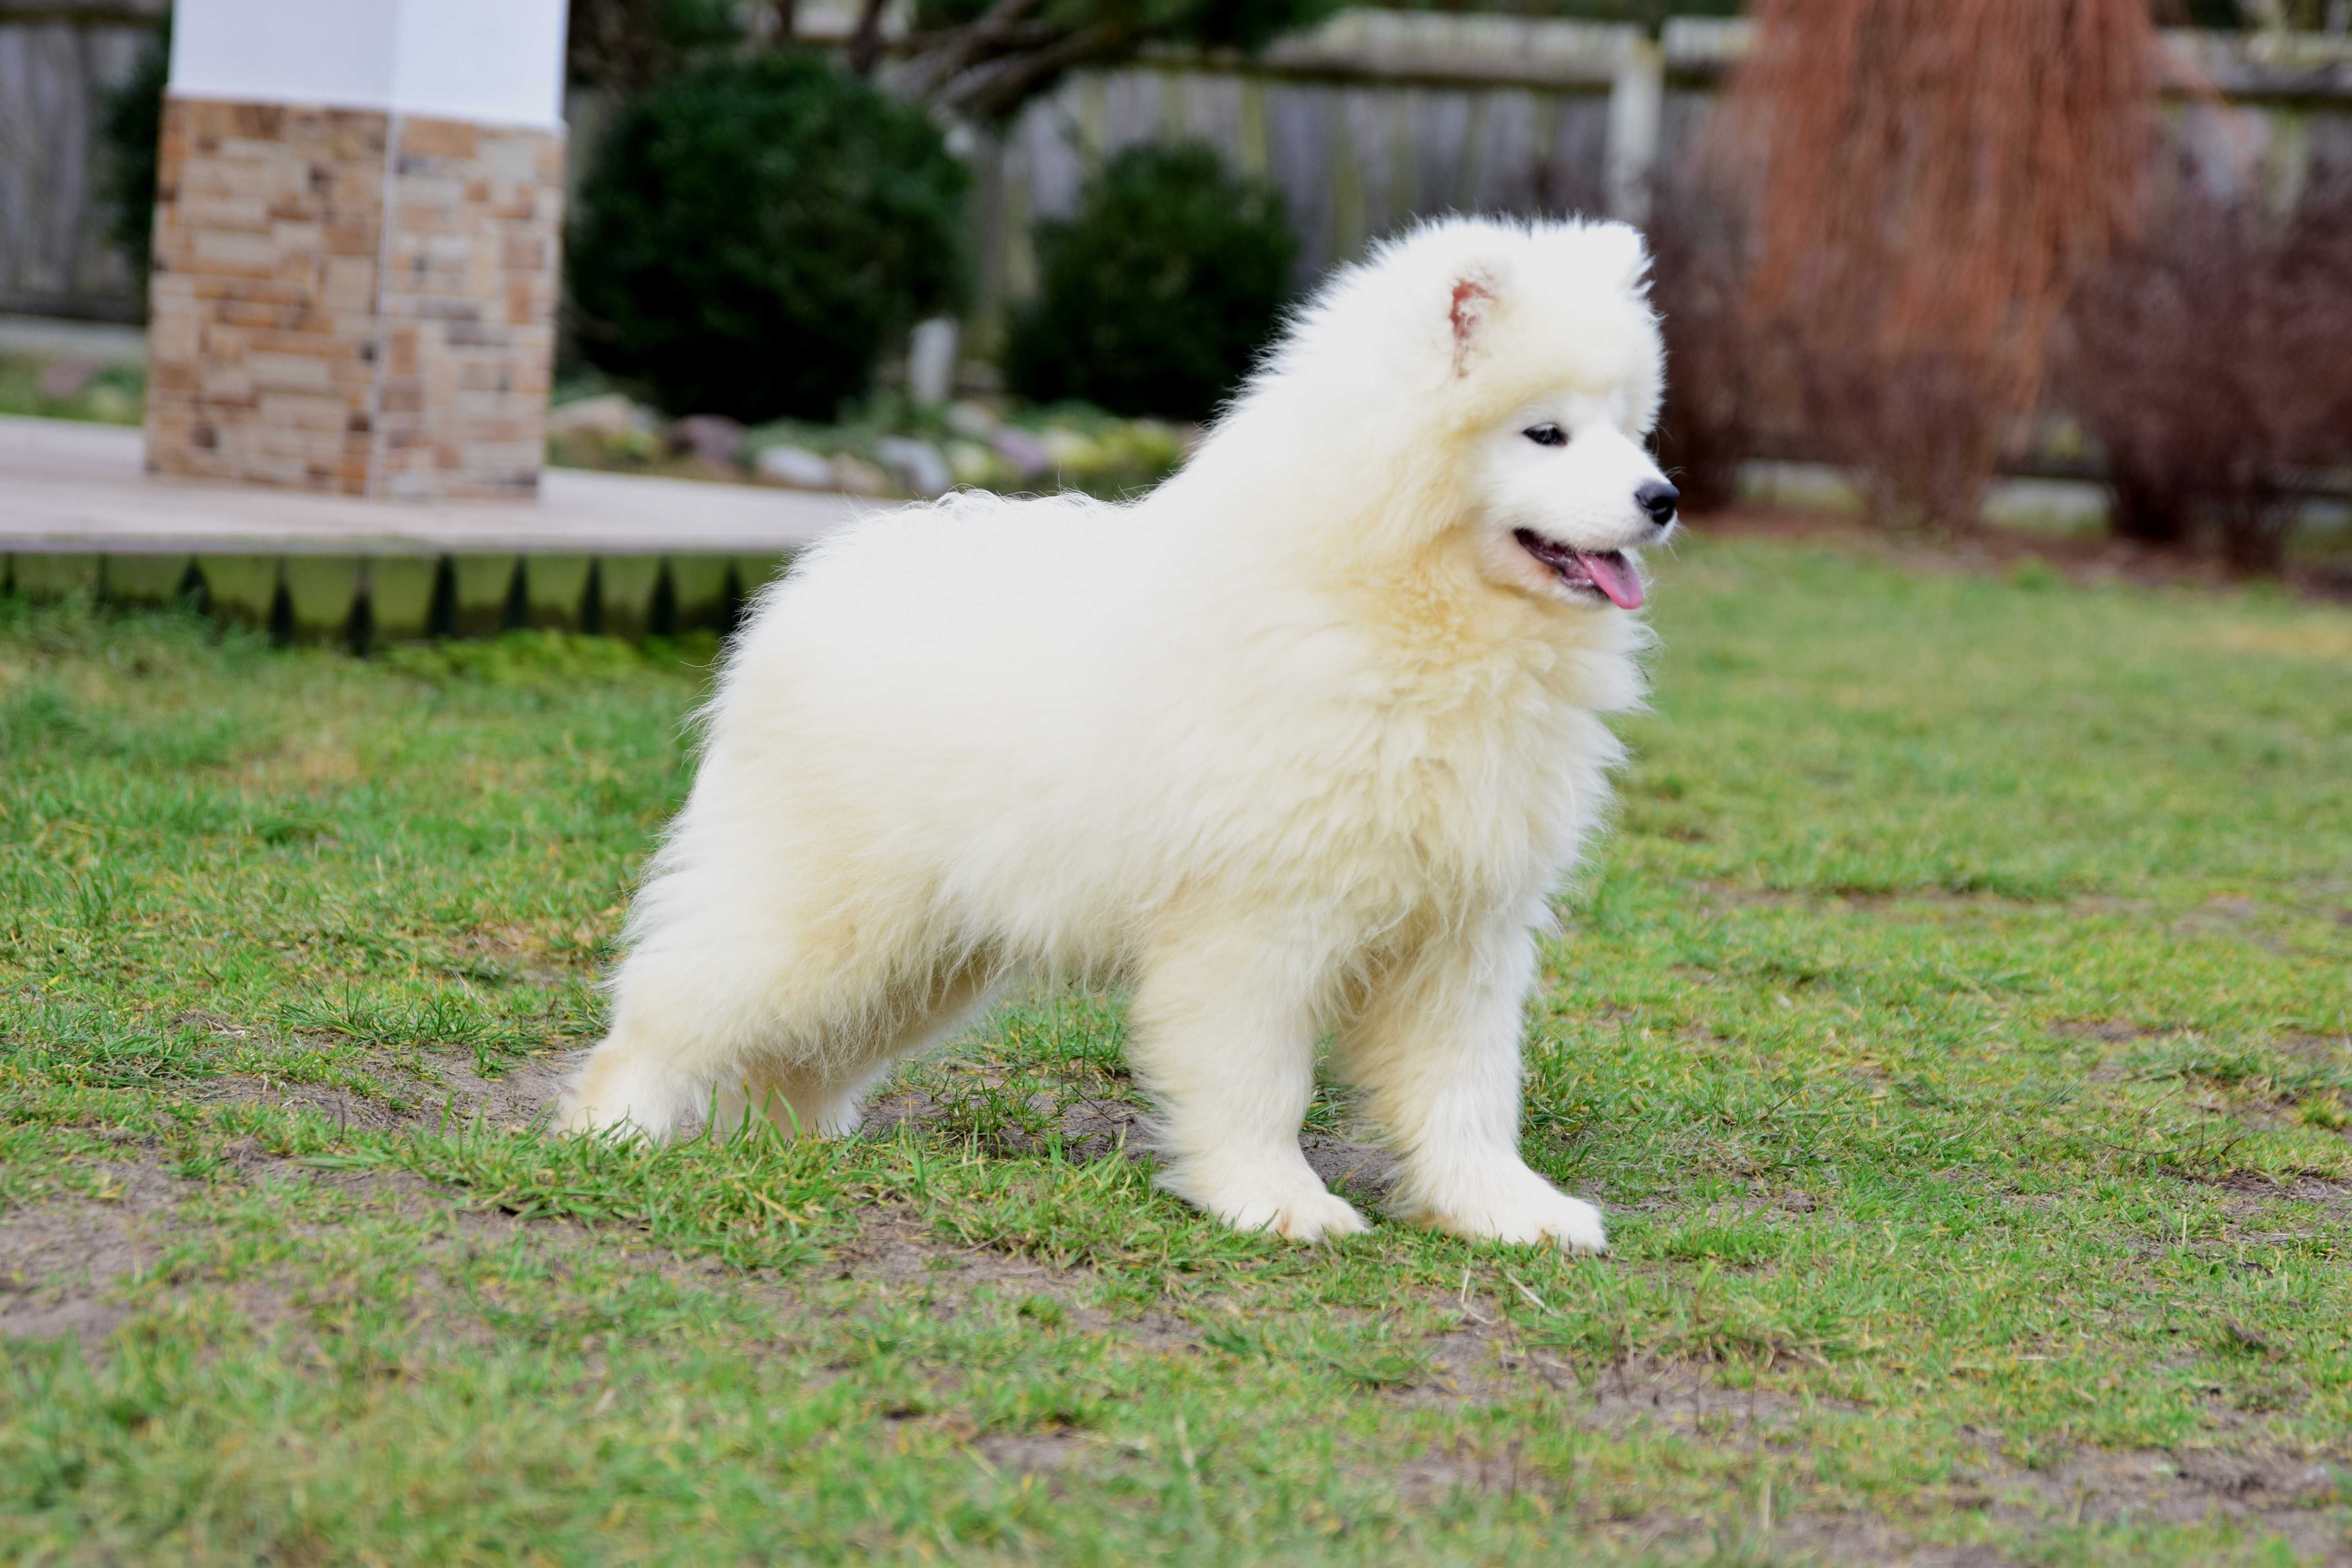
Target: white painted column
[(359, 215), (499, 62)]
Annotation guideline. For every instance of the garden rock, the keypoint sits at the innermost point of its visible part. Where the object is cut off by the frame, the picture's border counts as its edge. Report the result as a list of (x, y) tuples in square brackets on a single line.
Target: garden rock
[(971, 463), (857, 477), (1069, 450), (972, 421), (916, 464), (608, 416), (797, 467), (713, 438), (1022, 450)]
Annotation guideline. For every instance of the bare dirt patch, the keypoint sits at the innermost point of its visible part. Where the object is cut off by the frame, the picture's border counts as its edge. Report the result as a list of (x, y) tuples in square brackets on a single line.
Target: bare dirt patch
[(514, 952), (895, 1248), (348, 1108), (1860, 1539), (2110, 1031), (1093, 1127), (2294, 1495), (1486, 1360), (1727, 896), (2323, 1048), (1088, 1126), (1032, 1453), (2258, 1188), (456, 1094), (519, 1096), (1360, 1172), (2283, 1495), (64, 1262), (61, 1259)]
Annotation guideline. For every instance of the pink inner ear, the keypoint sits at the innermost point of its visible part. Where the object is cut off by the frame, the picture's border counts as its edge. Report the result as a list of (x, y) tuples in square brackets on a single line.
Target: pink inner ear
[(1471, 298)]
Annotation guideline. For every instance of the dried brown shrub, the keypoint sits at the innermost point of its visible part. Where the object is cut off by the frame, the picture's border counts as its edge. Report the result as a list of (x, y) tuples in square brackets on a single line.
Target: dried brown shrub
[(1933, 177), (1921, 425), (2210, 360), (1714, 356)]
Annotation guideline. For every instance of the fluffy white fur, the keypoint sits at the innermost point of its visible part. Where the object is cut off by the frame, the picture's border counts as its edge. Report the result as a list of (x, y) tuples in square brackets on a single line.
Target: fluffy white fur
[(1301, 741)]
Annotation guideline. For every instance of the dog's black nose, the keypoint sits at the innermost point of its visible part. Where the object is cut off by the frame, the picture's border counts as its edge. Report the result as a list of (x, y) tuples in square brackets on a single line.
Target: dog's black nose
[(1658, 498)]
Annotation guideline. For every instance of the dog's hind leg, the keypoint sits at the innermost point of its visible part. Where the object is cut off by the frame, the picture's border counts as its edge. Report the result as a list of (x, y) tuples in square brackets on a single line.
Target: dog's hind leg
[(1436, 1045), (684, 1020), (734, 964), (1224, 1038), (820, 1094)]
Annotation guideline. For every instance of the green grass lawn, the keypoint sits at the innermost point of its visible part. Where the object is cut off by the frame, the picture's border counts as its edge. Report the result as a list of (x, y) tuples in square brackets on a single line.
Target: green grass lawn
[(1954, 1030)]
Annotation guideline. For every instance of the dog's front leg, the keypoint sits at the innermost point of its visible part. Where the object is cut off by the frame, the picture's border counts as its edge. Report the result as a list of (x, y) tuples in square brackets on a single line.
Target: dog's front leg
[(1436, 1045), (1225, 1040)]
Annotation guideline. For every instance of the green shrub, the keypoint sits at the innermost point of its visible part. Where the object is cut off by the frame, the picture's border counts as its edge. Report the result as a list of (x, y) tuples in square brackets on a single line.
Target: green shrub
[(623, 46), (129, 127), (1159, 292), (753, 232)]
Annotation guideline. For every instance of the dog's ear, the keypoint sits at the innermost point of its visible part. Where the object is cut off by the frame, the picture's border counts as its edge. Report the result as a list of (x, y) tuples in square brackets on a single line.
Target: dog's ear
[(1472, 303)]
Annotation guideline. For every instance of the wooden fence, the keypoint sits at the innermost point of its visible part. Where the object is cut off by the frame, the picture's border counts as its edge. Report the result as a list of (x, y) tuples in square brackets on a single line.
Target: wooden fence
[(1382, 117), (57, 61)]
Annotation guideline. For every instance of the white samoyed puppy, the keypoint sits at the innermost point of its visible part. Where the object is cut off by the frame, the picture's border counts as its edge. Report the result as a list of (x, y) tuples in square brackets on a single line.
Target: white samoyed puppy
[(1300, 743)]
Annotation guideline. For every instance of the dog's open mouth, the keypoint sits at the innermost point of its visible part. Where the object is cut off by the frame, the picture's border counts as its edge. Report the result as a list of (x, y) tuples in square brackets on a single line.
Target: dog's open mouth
[(1604, 571)]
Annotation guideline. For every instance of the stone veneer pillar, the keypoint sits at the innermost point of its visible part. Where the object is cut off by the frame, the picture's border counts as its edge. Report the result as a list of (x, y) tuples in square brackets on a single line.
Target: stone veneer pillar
[(357, 224)]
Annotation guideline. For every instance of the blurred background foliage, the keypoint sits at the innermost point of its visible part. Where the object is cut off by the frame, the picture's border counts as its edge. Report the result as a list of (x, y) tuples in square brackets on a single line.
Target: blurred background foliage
[(132, 126), (754, 231), (626, 45), (1159, 292), (986, 59)]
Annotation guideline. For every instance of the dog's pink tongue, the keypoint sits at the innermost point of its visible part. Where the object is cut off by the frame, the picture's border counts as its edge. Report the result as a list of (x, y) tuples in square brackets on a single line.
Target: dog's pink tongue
[(1614, 576)]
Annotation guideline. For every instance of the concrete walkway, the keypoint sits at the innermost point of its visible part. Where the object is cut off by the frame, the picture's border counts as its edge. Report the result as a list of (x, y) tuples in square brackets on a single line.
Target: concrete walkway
[(611, 553), (67, 486)]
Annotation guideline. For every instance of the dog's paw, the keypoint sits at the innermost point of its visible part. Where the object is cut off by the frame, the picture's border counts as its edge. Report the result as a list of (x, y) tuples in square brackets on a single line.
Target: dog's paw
[(1303, 1217), (578, 1117), (1298, 1208), (1524, 1209), (619, 1093)]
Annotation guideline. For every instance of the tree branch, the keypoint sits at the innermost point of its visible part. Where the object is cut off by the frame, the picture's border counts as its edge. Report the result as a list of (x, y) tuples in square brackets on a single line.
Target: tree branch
[(865, 41), (994, 90), (957, 49)]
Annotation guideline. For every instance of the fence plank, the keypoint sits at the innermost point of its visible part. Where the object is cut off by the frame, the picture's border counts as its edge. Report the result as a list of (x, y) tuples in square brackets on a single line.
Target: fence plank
[(55, 253)]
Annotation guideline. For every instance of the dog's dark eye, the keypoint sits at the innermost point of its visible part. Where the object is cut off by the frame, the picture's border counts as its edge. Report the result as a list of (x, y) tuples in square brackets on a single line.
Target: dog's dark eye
[(1545, 435)]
